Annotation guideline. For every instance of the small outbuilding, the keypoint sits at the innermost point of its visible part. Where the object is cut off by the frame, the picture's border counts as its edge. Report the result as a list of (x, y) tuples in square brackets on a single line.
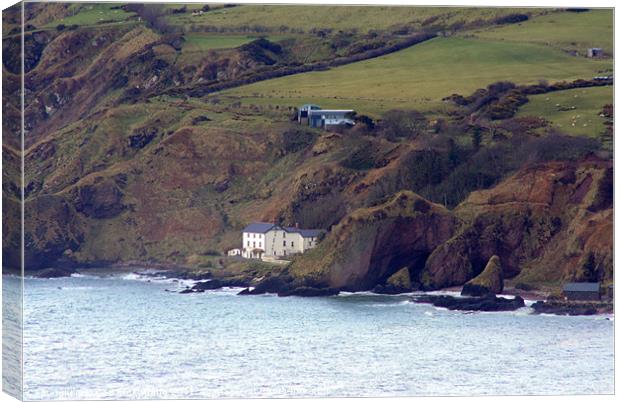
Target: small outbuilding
[(582, 291), (234, 252), (595, 52)]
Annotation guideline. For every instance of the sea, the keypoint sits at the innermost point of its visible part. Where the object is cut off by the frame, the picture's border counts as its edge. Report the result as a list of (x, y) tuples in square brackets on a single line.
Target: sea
[(133, 336)]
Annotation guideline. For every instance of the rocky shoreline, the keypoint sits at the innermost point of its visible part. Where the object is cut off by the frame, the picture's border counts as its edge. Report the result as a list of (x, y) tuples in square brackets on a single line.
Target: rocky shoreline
[(485, 303), (284, 286), (572, 308)]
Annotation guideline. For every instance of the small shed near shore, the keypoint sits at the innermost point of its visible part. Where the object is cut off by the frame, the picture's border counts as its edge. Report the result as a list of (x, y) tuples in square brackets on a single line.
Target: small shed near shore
[(582, 291)]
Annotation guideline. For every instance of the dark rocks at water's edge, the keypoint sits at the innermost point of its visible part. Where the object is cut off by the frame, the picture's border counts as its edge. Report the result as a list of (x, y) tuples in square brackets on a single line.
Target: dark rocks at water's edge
[(571, 308), (273, 284), (54, 273), (280, 285), (487, 303), (389, 289), (186, 275), (214, 284), (283, 287), (306, 291)]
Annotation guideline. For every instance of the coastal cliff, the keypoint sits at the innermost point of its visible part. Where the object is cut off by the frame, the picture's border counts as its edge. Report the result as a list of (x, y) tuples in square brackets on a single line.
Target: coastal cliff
[(162, 166), (546, 223)]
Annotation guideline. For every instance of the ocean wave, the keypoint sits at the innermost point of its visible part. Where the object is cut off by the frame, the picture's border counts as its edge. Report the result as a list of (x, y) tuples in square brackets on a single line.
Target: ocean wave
[(392, 304), (133, 276), (79, 275)]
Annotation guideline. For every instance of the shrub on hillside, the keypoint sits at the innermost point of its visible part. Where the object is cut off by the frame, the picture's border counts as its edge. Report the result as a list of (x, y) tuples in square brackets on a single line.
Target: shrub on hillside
[(362, 155), (397, 124), (489, 165), (296, 140), (512, 19)]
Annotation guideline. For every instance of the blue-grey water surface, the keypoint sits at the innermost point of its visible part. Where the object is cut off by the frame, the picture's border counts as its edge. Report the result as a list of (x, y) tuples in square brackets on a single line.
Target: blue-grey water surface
[(122, 337)]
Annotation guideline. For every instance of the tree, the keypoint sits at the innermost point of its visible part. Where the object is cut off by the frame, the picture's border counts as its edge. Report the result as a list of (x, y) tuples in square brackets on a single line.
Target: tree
[(153, 16), (476, 138), (589, 268)]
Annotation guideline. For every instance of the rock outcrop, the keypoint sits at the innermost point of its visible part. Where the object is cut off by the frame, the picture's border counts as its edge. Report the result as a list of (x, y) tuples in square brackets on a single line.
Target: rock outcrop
[(490, 281), (371, 244), (487, 303), (52, 230), (543, 223), (572, 308), (54, 273), (400, 282)]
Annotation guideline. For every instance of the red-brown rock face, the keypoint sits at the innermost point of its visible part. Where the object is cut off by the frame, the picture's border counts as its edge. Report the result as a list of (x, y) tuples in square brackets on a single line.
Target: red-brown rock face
[(371, 244), (547, 222)]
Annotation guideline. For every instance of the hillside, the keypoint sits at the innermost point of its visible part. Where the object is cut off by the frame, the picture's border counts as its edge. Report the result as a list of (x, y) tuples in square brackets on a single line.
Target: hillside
[(421, 76), (155, 134)]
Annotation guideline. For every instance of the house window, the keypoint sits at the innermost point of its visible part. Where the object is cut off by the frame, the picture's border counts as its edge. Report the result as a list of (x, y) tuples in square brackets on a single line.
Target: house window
[(283, 234), (248, 243), (284, 243), (292, 244), (260, 244), (254, 235), (254, 244)]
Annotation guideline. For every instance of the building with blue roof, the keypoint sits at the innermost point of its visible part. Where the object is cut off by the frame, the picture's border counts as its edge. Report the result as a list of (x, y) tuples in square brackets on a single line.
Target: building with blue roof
[(263, 239), (316, 117)]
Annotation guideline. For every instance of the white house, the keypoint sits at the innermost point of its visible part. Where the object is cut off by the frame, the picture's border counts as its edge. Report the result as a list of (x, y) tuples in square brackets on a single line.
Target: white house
[(270, 240)]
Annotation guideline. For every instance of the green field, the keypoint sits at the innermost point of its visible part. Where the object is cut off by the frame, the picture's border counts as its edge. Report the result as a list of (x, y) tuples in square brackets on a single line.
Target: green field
[(420, 76), (557, 107), (200, 42), (91, 14), (361, 18), (567, 31)]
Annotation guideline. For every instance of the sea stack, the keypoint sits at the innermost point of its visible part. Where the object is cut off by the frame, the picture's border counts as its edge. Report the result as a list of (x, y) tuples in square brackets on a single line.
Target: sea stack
[(490, 280)]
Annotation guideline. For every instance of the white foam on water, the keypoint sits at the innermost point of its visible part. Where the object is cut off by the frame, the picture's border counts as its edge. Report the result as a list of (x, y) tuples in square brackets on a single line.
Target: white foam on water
[(132, 277)]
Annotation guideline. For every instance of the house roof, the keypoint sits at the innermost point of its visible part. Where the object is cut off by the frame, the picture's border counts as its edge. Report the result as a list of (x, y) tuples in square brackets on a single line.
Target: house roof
[(582, 287), (304, 232), (264, 227), (310, 106), (258, 227), (323, 111)]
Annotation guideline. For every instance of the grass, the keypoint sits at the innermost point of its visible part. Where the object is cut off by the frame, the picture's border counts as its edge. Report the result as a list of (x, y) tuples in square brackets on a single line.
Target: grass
[(420, 76), (91, 14), (567, 31), (200, 42), (197, 42), (557, 107), (361, 18)]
